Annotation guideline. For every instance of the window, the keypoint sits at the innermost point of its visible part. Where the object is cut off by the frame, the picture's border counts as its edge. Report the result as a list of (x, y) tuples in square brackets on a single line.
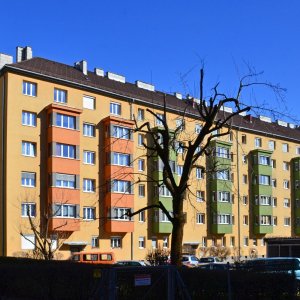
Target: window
[(159, 119), (223, 175), (213, 241), (230, 136), (141, 165), (286, 202), (163, 217), (223, 241), (223, 196), (65, 151), (154, 242), (257, 142), (286, 184), (245, 220), (89, 157), (121, 186), (265, 200), (65, 121), (274, 221), (222, 219), (244, 139), (142, 216), (28, 242), (64, 180), (88, 185), (95, 242), (28, 209), (274, 201), (121, 159), (222, 152), (297, 150), (164, 192), (120, 132), (199, 173), (141, 114), (165, 242), (89, 213), (28, 179), (115, 108), (232, 241), (272, 145), (286, 166), (29, 88), (141, 242), (140, 139), (28, 118), (246, 241), (179, 170), (274, 183), (244, 158), (245, 200), (88, 130), (198, 128), (200, 217), (119, 213), (28, 148), (88, 102), (264, 160), (180, 124), (264, 179), (141, 190), (287, 221), (200, 196), (115, 242), (265, 220), (60, 96), (179, 147), (245, 179), (66, 211), (285, 147), (273, 163)]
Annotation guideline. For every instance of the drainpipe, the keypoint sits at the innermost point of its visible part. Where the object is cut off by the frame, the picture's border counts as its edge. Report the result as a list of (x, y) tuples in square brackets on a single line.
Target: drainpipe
[(3, 167), (238, 194)]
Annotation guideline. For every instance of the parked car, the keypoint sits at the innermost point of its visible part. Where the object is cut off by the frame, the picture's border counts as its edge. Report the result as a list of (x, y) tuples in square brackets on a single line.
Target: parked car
[(93, 257), (215, 266), (210, 259), (131, 263), (190, 260)]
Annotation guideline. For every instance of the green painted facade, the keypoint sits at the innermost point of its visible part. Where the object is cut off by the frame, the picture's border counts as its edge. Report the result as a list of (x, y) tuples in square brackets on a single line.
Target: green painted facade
[(258, 190)]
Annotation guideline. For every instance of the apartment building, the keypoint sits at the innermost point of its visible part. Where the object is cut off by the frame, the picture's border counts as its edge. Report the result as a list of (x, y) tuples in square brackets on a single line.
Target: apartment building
[(68, 151)]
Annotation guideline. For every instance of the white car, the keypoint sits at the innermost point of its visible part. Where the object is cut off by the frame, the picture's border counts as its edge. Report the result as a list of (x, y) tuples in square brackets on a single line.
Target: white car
[(190, 260)]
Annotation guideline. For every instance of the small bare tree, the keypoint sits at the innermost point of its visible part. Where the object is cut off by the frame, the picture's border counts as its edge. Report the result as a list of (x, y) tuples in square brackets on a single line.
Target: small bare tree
[(219, 251)]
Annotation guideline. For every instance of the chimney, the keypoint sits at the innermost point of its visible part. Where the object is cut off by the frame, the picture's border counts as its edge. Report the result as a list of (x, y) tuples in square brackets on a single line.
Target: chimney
[(248, 118), (99, 72), (5, 59), (23, 53), (82, 66)]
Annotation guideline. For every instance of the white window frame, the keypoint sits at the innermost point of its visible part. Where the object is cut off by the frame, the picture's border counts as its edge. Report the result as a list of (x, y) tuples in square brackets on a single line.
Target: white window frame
[(285, 147), (60, 96), (89, 213), (89, 185), (115, 108), (141, 165), (286, 184), (200, 218), (115, 242), (28, 148), (28, 181), (272, 145), (141, 190), (65, 211), (88, 102), (198, 128), (140, 140), (286, 166), (142, 216), (121, 186), (264, 179), (119, 214), (199, 173), (28, 242), (140, 114), (142, 242), (29, 118), (121, 132), (65, 151), (121, 159), (245, 200), (89, 157), (28, 209), (95, 242), (257, 142), (158, 122), (29, 89), (65, 121), (200, 196), (286, 203), (286, 221), (89, 130), (165, 242)]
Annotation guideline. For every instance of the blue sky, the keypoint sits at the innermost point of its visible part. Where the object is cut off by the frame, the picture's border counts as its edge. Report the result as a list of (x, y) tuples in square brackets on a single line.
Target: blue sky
[(165, 42)]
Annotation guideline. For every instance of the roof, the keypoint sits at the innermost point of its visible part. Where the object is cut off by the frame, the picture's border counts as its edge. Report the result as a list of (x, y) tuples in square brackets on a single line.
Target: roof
[(55, 71)]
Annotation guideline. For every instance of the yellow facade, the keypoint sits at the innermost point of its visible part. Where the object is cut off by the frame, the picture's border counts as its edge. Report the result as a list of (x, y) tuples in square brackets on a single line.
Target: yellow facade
[(135, 244)]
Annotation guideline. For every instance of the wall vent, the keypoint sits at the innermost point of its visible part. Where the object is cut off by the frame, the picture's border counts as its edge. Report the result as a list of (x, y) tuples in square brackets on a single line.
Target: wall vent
[(145, 86), (115, 77)]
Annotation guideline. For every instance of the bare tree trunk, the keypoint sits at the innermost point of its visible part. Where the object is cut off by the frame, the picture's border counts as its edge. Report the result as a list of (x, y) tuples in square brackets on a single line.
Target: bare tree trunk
[(177, 231)]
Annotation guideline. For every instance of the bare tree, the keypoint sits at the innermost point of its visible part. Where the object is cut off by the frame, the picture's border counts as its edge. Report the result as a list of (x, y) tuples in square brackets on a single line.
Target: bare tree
[(46, 242), (161, 142)]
